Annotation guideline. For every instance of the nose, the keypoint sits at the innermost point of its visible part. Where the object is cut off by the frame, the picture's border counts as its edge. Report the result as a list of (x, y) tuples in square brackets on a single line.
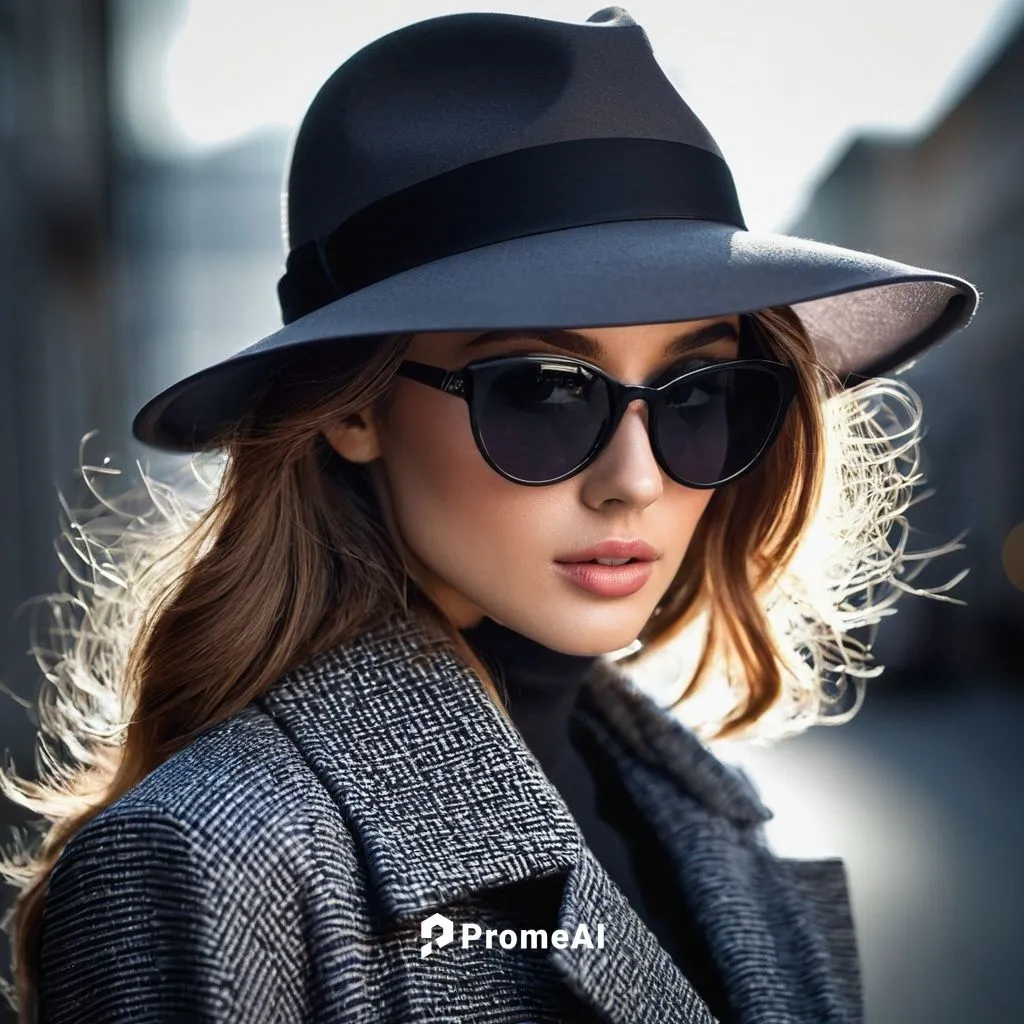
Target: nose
[(626, 470)]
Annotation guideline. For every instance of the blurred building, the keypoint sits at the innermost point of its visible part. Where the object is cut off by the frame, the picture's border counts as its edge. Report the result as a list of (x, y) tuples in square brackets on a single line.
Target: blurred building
[(60, 369), (199, 253), (119, 273), (954, 200), (60, 374)]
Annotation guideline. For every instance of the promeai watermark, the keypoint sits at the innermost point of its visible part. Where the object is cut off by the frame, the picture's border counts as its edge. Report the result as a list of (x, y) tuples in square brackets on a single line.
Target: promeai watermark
[(439, 931)]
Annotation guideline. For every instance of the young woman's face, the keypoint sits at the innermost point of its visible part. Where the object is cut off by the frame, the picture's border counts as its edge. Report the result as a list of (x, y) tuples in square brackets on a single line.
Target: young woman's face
[(487, 546)]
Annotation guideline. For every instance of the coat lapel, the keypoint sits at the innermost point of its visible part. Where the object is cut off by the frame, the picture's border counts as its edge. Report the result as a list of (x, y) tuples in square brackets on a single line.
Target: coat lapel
[(447, 800), (779, 929), (443, 795)]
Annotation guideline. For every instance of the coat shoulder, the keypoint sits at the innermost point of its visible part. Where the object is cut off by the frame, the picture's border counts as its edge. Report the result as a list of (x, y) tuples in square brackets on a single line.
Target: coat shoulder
[(245, 764), (239, 800), (187, 897)]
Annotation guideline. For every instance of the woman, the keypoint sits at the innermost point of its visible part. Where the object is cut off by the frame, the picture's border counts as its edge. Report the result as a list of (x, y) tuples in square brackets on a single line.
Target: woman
[(357, 739)]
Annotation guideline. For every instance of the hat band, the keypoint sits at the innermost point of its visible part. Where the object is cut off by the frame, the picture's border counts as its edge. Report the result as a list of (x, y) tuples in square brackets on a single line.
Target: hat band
[(525, 192)]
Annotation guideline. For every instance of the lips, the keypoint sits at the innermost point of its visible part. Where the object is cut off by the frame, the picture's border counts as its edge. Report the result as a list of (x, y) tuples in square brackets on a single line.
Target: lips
[(607, 580), (637, 550)]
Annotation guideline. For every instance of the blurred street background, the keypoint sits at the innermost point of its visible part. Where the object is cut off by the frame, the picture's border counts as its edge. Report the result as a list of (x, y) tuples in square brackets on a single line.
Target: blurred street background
[(142, 152)]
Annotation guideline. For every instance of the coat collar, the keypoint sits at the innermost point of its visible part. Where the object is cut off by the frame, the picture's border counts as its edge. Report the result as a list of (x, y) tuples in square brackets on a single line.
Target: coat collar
[(446, 800), (400, 734)]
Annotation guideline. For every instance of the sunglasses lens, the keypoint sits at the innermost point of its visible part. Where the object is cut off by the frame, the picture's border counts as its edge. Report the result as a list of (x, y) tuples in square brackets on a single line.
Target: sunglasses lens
[(713, 426), (539, 421)]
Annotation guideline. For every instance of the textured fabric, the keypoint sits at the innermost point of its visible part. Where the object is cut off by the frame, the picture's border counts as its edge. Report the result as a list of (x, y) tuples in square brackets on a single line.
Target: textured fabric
[(279, 867), (543, 687)]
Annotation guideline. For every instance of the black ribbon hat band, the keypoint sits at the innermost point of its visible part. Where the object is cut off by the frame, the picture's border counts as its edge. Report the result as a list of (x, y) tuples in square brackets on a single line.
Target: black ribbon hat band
[(511, 195)]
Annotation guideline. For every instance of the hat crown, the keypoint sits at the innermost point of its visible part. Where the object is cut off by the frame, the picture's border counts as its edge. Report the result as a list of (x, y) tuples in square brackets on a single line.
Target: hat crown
[(455, 89)]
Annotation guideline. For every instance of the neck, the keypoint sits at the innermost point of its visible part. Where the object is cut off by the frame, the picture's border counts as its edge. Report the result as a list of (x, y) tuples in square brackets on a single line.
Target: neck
[(542, 687)]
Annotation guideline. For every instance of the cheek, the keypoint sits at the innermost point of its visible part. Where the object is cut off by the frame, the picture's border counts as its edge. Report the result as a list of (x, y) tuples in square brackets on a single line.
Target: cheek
[(448, 504), (688, 506), (697, 503)]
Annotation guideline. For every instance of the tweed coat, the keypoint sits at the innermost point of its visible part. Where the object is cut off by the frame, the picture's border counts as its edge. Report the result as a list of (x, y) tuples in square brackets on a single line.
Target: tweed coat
[(279, 868)]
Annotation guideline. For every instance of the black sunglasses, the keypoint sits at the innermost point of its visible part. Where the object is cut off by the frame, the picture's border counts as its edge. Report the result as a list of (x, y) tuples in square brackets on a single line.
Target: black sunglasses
[(540, 419)]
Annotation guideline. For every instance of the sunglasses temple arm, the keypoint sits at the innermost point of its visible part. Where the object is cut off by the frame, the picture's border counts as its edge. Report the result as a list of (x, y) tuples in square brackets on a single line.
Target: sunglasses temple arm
[(451, 381)]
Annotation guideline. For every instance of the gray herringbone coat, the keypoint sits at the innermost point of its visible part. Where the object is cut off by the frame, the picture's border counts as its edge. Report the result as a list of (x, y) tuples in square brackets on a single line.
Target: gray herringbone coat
[(279, 867)]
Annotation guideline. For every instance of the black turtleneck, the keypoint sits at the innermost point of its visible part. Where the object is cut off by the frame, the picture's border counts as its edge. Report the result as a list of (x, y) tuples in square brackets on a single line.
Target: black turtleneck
[(543, 686)]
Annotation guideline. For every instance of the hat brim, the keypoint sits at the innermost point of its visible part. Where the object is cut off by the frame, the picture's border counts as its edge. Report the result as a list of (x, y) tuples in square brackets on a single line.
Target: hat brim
[(866, 315)]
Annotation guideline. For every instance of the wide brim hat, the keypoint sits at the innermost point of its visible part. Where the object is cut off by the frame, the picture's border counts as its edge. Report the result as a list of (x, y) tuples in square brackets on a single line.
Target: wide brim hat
[(481, 171)]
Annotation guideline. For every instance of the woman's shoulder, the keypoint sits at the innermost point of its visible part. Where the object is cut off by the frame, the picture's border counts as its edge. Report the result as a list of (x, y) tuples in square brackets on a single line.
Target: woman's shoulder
[(246, 757), (238, 798), (186, 897)]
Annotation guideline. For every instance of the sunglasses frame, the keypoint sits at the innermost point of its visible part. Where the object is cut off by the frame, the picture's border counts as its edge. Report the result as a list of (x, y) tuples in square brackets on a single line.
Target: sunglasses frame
[(461, 383)]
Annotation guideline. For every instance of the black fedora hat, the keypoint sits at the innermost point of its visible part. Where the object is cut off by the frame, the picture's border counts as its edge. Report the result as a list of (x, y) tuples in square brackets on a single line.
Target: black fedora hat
[(478, 171)]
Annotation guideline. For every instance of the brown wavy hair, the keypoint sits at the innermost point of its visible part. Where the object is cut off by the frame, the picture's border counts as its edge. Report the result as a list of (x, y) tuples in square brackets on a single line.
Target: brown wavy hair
[(188, 609)]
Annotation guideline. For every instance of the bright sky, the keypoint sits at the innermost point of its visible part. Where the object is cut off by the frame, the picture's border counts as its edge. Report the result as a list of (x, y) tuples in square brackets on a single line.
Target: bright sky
[(781, 85)]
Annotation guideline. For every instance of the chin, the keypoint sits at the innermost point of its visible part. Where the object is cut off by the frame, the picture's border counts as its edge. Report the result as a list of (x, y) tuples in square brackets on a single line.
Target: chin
[(600, 641)]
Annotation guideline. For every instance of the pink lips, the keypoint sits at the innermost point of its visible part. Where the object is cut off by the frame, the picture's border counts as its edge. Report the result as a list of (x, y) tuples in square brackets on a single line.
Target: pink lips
[(610, 580), (637, 549), (607, 580)]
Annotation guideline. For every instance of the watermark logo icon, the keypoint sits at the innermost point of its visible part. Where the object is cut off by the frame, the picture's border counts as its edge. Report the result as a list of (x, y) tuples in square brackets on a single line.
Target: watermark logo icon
[(427, 927)]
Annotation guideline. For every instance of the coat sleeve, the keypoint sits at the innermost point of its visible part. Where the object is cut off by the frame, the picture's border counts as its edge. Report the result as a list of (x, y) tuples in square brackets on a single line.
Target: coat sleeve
[(146, 920)]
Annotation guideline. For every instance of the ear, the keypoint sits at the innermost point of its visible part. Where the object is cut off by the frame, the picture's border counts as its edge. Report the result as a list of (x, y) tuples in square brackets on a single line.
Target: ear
[(355, 437)]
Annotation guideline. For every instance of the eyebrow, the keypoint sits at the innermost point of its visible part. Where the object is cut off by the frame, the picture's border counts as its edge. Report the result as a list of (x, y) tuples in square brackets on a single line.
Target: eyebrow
[(589, 348)]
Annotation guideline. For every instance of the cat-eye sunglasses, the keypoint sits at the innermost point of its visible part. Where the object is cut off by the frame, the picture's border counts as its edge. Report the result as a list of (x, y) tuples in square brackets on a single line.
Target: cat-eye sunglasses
[(540, 419)]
